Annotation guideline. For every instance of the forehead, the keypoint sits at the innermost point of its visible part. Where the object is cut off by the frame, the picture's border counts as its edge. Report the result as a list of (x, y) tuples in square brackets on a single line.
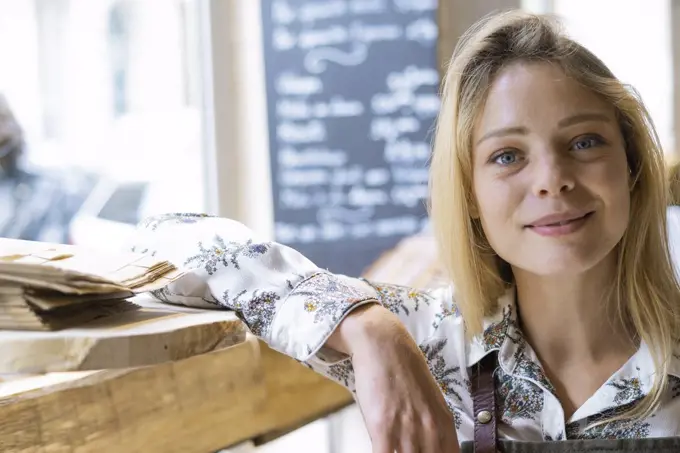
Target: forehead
[(536, 96)]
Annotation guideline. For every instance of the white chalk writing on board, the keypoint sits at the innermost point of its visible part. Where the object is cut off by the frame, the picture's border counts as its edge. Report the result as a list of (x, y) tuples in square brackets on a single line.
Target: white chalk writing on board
[(301, 109), (307, 132), (329, 36), (406, 151), (321, 10), (283, 39), (370, 33), (283, 12), (409, 175), (390, 129), (344, 215), (412, 78), (424, 31), (310, 232), (377, 177), (293, 84), (415, 5), (290, 157), (306, 177), (317, 60), (360, 34), (409, 196), (365, 7), (356, 159)]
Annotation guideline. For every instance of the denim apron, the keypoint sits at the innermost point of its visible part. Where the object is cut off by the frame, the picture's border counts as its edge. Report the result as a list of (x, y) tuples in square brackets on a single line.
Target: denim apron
[(485, 435)]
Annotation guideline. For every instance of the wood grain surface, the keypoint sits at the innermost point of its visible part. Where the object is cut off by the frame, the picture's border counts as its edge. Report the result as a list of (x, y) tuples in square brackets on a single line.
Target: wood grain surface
[(200, 404), (155, 334)]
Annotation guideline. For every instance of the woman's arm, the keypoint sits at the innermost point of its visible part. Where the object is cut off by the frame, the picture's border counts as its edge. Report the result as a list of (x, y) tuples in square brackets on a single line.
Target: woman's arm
[(363, 335), (284, 298)]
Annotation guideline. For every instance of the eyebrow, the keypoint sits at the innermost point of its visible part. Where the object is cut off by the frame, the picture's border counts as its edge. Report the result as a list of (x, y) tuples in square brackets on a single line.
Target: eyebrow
[(569, 121), (583, 117)]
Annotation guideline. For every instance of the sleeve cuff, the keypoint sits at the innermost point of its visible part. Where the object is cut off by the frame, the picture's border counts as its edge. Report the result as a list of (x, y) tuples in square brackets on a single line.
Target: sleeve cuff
[(312, 311)]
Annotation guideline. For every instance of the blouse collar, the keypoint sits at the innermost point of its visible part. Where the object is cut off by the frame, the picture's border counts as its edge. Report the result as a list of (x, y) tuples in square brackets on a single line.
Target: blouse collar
[(502, 334)]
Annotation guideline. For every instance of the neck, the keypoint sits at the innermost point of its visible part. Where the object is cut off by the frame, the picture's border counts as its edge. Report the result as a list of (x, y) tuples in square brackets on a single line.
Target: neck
[(569, 320), (579, 340)]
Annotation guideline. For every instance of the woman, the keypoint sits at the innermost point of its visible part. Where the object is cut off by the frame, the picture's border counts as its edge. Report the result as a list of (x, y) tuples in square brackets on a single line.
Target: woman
[(548, 201)]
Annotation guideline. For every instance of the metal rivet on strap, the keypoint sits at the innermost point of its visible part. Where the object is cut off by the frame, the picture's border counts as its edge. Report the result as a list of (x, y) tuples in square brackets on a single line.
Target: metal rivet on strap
[(484, 417)]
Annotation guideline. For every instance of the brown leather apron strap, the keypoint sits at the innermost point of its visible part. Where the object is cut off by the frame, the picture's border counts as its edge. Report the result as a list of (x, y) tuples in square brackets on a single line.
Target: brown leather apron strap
[(484, 404)]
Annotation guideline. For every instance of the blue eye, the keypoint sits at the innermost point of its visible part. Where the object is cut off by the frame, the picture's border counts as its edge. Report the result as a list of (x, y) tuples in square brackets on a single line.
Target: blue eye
[(505, 158), (586, 143)]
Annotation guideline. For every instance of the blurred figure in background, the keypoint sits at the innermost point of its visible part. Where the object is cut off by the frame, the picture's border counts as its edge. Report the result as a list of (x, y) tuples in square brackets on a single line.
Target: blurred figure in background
[(33, 206), (11, 140)]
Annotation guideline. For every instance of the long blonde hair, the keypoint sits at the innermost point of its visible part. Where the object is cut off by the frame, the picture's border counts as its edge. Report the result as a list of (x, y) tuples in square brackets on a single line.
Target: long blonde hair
[(645, 289)]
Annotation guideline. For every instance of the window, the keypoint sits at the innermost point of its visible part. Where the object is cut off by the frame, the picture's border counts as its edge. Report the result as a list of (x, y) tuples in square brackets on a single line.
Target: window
[(101, 90)]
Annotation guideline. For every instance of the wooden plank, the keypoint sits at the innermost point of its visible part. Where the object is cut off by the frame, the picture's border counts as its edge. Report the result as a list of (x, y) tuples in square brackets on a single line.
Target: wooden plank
[(296, 396), (16, 384), (155, 334), (180, 406), (200, 404)]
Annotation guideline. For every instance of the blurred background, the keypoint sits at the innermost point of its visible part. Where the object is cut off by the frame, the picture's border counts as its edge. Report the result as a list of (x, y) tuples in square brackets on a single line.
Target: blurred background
[(114, 110), (106, 101)]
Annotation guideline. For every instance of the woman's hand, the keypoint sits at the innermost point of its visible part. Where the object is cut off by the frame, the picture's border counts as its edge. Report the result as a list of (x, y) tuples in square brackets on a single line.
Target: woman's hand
[(403, 408)]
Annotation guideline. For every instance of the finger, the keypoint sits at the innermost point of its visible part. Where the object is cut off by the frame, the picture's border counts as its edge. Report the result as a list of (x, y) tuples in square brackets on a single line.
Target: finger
[(384, 436), (380, 432), (410, 439), (430, 437), (410, 447), (383, 444), (381, 429), (438, 437), (442, 443)]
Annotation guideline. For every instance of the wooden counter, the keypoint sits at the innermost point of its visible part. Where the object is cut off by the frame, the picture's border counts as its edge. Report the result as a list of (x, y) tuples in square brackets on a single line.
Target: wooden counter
[(154, 334), (200, 404)]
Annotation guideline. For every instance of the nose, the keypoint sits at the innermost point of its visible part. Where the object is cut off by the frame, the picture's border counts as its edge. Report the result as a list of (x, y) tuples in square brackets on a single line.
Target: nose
[(552, 176)]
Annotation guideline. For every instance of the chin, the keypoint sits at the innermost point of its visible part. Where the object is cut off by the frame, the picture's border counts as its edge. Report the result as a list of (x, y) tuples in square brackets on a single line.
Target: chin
[(558, 269), (562, 261)]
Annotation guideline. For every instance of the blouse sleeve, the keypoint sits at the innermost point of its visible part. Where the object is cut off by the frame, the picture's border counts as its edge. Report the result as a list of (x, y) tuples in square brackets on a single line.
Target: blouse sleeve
[(284, 298)]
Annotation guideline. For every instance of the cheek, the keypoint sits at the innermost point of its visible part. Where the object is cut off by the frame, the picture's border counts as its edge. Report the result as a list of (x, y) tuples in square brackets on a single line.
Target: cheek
[(495, 206), (619, 202), (614, 182)]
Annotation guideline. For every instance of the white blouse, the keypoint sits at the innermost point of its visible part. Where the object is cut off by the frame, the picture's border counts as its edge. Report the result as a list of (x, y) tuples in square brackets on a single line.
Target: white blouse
[(294, 306)]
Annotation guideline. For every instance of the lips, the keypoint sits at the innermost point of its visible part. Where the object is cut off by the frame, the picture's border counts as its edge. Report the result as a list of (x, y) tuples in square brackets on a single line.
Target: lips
[(555, 220), (560, 225)]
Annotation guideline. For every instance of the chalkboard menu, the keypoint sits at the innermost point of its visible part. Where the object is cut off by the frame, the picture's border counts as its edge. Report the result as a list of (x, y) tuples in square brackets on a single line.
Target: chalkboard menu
[(352, 90)]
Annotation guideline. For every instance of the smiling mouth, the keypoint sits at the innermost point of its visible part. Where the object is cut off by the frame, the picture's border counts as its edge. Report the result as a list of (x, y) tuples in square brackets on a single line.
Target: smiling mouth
[(560, 227), (563, 222)]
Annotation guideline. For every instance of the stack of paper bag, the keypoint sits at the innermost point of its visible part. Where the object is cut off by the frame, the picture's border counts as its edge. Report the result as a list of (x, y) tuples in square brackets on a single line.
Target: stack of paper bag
[(51, 286)]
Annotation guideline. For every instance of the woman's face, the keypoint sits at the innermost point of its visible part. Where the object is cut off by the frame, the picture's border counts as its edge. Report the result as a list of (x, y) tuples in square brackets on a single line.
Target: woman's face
[(551, 178)]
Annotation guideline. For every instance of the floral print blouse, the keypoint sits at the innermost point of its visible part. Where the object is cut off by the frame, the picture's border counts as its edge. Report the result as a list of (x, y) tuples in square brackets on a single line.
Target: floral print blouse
[(294, 306)]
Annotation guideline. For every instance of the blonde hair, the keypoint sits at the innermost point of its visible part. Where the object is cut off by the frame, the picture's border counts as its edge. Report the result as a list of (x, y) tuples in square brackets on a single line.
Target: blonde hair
[(646, 291)]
